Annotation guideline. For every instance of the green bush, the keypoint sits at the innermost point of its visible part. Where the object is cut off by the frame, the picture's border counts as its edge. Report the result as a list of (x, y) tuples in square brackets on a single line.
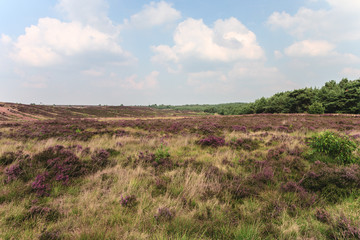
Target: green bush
[(162, 153), (339, 148), (316, 108)]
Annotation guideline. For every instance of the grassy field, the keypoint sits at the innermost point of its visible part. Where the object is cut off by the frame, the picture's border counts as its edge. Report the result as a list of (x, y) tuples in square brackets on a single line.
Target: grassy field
[(181, 177)]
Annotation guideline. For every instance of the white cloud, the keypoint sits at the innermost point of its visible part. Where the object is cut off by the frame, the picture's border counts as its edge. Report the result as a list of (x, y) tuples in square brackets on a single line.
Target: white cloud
[(351, 73), (310, 48), (345, 5), (213, 82), (150, 82), (229, 40), (88, 12), (341, 22), (92, 73), (51, 40), (154, 14), (5, 39)]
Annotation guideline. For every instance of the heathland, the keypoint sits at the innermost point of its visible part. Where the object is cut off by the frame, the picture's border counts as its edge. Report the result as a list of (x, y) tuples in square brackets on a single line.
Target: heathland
[(106, 172)]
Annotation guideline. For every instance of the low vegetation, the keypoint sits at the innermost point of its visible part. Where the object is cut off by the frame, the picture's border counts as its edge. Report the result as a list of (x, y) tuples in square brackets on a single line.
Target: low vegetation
[(205, 177)]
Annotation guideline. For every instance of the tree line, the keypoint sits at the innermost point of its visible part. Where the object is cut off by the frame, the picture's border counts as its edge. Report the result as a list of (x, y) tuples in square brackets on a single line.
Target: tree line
[(333, 97)]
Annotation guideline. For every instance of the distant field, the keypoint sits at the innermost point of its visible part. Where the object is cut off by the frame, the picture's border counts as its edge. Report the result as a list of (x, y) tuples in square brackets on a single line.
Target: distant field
[(139, 173), (11, 111)]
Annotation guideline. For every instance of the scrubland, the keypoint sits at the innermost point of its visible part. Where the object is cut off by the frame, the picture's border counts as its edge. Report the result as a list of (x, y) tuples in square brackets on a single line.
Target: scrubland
[(270, 176)]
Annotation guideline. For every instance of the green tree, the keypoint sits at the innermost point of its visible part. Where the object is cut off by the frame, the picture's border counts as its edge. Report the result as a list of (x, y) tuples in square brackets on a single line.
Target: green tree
[(316, 108)]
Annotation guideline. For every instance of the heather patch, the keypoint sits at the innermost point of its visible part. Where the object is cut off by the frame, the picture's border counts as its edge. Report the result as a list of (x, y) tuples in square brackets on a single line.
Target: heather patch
[(334, 183), (245, 144), (211, 141)]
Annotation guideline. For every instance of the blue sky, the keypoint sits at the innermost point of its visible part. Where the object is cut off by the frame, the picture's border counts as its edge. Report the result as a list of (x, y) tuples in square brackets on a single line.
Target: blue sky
[(173, 52)]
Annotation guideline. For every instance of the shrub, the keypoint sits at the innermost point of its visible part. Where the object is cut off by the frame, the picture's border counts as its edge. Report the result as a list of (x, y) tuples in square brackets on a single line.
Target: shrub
[(7, 158), (265, 176), (212, 141), (49, 235), (245, 143), (13, 172), (333, 183), (340, 148), (162, 153), (164, 214), (40, 185), (50, 215), (323, 216), (347, 228), (100, 158), (316, 108), (128, 201)]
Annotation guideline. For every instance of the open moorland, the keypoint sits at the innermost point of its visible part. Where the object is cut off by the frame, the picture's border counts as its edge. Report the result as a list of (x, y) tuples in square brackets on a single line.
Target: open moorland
[(141, 173)]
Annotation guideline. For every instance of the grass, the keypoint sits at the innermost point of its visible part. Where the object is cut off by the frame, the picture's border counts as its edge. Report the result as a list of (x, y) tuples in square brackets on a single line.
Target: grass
[(181, 190)]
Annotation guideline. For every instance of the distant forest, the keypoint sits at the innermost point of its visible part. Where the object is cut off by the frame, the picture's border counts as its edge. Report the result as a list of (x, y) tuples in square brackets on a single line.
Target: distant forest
[(333, 97)]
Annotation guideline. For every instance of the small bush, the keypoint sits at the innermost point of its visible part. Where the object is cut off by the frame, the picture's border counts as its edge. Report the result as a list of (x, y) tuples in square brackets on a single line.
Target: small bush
[(212, 141), (40, 185), (13, 172), (347, 228), (7, 158), (50, 235), (161, 153), (128, 201), (50, 215), (340, 148), (316, 108), (323, 216), (100, 158), (164, 214), (245, 143), (333, 183)]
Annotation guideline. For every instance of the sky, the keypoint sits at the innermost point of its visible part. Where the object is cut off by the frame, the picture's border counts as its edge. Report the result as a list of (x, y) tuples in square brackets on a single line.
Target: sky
[(114, 52)]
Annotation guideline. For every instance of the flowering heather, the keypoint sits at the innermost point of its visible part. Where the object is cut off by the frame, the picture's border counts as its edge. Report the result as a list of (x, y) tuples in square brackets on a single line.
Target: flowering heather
[(239, 128), (212, 141), (323, 216), (146, 157), (41, 185), (208, 128), (175, 127), (13, 172), (164, 214), (100, 158), (347, 228), (283, 129), (258, 185), (65, 165), (128, 201), (332, 182), (245, 143), (266, 175), (292, 187), (275, 154)]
